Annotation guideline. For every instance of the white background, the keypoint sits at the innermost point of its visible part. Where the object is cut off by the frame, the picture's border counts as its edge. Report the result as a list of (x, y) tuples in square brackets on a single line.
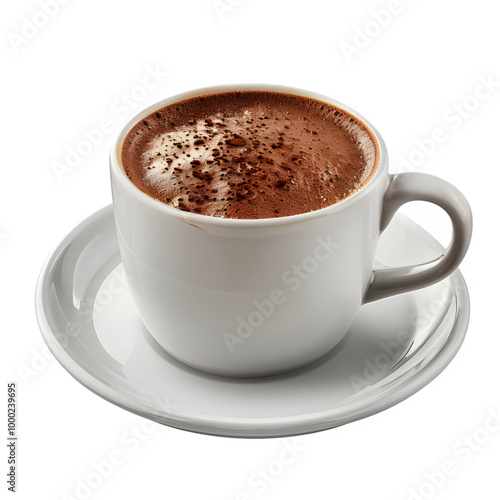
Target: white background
[(411, 76)]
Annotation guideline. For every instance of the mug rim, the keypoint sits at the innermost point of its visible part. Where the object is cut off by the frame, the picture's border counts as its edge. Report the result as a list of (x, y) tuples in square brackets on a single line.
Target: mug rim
[(209, 220)]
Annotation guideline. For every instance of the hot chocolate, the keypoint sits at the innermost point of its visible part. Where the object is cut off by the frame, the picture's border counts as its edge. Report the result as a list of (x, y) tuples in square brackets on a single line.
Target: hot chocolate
[(250, 154)]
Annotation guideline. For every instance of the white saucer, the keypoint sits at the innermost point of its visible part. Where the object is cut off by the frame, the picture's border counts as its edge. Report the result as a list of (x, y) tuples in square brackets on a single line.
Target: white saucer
[(89, 321)]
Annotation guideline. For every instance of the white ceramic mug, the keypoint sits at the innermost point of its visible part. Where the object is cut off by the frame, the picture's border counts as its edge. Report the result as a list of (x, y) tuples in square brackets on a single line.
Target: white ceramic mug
[(264, 296)]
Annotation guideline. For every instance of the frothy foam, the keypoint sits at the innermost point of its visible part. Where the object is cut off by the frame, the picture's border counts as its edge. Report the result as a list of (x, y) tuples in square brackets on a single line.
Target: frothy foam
[(249, 155)]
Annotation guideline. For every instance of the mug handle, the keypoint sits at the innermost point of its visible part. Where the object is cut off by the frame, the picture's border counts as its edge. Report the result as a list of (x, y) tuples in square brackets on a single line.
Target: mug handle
[(413, 186)]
